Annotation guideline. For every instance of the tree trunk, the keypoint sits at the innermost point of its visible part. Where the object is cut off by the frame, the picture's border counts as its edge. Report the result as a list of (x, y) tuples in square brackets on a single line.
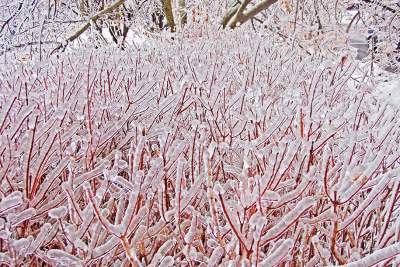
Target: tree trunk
[(237, 15), (167, 8), (84, 7), (182, 12)]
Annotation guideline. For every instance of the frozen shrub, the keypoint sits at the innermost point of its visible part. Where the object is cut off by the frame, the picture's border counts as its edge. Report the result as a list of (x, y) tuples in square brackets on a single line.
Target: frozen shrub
[(196, 153)]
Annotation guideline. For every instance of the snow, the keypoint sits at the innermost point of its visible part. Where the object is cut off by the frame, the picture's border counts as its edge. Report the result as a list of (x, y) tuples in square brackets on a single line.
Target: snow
[(388, 89)]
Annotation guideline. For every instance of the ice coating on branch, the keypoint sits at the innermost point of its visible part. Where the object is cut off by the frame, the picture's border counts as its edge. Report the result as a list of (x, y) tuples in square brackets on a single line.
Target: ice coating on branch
[(192, 230), (377, 256), (285, 222), (78, 243), (58, 213), (367, 201), (16, 219), (292, 194), (215, 257), (313, 261), (40, 238), (22, 244), (11, 201), (5, 259), (218, 189), (166, 247), (106, 247), (64, 258), (271, 196), (326, 215), (323, 252), (50, 179), (124, 183), (279, 252), (353, 188), (167, 261), (87, 176), (212, 243)]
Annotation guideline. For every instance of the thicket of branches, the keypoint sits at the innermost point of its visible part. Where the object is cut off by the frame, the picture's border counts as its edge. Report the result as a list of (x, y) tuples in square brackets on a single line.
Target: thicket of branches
[(233, 152), (197, 133)]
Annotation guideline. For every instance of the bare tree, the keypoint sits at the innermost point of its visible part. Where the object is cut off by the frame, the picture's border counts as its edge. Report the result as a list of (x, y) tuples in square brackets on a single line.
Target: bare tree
[(237, 14), (167, 8)]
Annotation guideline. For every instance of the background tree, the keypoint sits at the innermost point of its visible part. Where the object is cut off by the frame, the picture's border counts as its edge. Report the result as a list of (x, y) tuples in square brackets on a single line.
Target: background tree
[(323, 26)]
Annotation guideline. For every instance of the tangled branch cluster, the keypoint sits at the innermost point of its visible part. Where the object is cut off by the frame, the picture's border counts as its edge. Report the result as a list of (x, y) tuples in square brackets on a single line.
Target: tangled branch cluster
[(196, 154)]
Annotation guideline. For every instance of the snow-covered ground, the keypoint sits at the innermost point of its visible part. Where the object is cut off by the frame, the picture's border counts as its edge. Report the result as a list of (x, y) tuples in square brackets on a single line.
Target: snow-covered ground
[(362, 46), (388, 89), (387, 84)]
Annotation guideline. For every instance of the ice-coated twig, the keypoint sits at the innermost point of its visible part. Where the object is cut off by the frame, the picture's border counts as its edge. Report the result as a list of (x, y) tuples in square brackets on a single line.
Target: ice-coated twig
[(377, 256), (11, 201), (288, 220), (279, 253)]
